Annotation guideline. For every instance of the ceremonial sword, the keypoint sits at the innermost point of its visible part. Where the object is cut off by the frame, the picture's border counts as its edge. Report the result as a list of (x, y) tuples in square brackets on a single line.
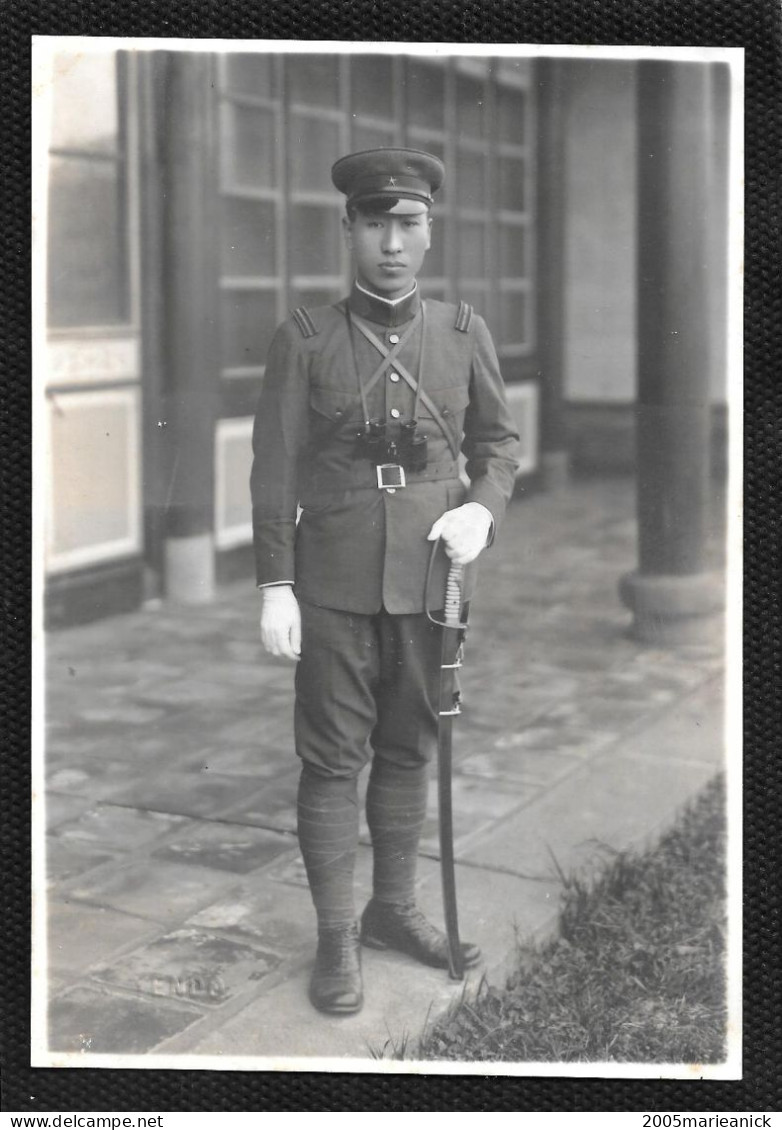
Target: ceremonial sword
[(453, 630)]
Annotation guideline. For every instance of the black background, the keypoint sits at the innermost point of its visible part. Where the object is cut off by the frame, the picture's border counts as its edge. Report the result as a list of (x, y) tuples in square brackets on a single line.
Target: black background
[(753, 25)]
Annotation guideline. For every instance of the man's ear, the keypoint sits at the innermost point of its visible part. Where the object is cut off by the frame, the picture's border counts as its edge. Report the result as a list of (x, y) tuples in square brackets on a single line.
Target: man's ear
[(347, 232)]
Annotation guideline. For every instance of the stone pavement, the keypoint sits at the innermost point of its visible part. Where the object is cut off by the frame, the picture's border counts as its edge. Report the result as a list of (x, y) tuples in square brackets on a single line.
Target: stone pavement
[(179, 918)]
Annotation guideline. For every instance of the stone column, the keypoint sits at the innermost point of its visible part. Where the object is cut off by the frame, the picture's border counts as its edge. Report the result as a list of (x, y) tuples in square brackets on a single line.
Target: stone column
[(550, 228), (672, 595), (191, 301)]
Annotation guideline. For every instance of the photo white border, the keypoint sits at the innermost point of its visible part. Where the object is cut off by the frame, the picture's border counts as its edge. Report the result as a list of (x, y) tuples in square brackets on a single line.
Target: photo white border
[(44, 48)]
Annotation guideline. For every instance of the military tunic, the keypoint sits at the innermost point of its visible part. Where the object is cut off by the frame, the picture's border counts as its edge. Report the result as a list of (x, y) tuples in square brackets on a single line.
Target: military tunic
[(357, 548)]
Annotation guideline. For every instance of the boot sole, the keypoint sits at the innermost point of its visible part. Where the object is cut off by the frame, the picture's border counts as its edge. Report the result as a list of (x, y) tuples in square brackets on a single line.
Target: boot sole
[(374, 943), (338, 1010)]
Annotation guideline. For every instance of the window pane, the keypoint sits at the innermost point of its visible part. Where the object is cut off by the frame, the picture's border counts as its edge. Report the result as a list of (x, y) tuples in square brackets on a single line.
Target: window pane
[(472, 250), (366, 138), (316, 297), (248, 238), (87, 283), (511, 107), (513, 318), (249, 319), (314, 149), (372, 85), (313, 79), (434, 263), (443, 193), (432, 290), (470, 106), (92, 471), (471, 179), (513, 248), (511, 184), (248, 147), (477, 299), (426, 95), (249, 74), (84, 112), (315, 240)]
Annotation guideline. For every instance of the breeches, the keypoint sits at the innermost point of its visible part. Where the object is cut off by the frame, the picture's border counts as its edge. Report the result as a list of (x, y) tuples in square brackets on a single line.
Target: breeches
[(364, 684)]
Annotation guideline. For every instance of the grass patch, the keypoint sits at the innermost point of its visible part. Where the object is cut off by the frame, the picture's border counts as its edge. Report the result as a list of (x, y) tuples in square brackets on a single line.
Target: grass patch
[(636, 973)]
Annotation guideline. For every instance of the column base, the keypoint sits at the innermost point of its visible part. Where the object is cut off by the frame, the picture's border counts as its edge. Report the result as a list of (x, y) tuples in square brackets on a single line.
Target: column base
[(672, 610), (190, 569), (554, 469)]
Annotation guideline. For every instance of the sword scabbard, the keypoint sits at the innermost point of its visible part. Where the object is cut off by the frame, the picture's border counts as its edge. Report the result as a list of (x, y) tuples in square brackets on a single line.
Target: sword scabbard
[(449, 707)]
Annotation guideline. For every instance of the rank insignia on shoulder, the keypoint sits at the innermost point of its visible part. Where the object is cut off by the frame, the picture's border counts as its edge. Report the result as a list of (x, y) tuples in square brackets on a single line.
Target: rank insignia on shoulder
[(301, 317), (463, 317)]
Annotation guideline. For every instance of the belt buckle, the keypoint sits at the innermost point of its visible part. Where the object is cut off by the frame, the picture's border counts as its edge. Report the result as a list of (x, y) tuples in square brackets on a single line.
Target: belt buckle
[(390, 476)]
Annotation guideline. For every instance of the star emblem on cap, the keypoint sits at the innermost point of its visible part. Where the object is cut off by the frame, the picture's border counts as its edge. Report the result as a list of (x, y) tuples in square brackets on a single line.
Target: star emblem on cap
[(392, 182)]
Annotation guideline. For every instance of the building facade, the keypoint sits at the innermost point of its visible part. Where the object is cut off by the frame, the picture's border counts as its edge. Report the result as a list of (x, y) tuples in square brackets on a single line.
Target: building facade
[(190, 208)]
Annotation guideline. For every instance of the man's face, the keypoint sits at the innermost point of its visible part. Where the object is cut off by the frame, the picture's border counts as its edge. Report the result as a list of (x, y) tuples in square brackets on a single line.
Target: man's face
[(388, 249)]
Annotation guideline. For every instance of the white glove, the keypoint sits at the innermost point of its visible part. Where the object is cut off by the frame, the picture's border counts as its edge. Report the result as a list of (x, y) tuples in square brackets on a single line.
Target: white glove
[(465, 531), (281, 622)]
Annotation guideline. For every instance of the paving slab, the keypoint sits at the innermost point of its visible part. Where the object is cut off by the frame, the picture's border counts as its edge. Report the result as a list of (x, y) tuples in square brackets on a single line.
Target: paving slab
[(61, 808), (249, 759), (693, 732), (274, 806), (189, 792), (82, 936), (90, 1019), (117, 827), (226, 847), (614, 802), (99, 779), (280, 922), (67, 861), (196, 964), (161, 891), (528, 768), (478, 803)]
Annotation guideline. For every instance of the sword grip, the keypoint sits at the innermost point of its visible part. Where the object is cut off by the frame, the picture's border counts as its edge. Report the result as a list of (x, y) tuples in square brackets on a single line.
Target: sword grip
[(453, 596)]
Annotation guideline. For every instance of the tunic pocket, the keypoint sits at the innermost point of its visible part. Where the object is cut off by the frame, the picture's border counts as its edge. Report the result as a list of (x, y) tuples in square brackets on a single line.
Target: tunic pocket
[(450, 402), (332, 403)]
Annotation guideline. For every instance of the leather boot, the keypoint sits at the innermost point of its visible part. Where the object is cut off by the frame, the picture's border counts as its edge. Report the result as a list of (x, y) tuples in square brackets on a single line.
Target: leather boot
[(336, 979), (402, 926)]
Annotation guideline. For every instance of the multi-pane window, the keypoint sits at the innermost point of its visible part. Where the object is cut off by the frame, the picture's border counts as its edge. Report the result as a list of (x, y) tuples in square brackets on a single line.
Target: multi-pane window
[(473, 212), (316, 136), (513, 227), (283, 122), (88, 256), (252, 217), (376, 101), (426, 106)]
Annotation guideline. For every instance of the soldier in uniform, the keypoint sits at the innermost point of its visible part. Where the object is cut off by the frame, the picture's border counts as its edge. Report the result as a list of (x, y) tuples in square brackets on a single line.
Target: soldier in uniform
[(365, 408)]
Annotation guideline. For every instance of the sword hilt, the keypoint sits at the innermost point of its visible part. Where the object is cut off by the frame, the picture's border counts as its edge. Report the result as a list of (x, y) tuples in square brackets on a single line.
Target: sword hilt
[(453, 596)]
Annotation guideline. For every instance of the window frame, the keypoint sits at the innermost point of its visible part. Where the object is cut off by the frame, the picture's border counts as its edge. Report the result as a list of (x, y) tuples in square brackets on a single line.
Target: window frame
[(488, 284), (126, 158)]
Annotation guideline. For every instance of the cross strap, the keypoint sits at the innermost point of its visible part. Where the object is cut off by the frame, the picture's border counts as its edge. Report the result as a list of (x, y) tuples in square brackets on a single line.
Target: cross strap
[(389, 357)]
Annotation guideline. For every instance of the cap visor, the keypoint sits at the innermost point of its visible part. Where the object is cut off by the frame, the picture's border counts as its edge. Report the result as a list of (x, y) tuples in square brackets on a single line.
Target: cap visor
[(395, 205)]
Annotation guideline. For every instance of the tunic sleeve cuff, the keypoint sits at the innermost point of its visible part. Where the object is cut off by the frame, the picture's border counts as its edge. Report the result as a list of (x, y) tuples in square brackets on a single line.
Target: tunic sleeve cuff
[(488, 496), (274, 561)]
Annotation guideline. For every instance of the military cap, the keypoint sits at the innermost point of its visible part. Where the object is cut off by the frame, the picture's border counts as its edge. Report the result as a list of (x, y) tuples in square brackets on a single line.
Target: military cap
[(389, 180)]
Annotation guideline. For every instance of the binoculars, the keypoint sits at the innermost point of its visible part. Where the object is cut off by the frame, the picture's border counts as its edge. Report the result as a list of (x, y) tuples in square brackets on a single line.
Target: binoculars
[(405, 446)]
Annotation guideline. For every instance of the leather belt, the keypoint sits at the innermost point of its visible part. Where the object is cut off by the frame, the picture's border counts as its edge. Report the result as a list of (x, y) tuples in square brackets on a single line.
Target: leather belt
[(367, 476)]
